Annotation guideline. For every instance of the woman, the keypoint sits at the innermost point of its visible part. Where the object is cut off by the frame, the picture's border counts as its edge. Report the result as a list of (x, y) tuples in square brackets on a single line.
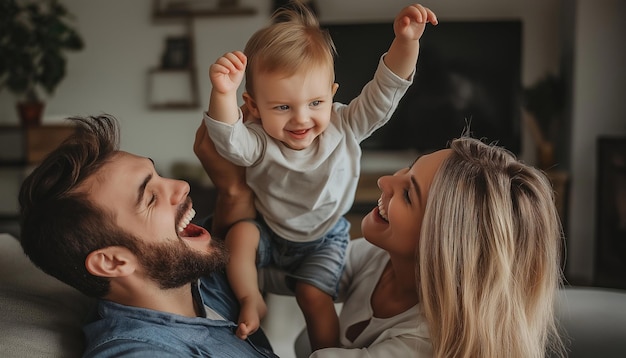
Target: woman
[(460, 258)]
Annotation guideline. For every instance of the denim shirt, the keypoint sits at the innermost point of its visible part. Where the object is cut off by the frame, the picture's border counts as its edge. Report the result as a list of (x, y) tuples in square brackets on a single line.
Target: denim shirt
[(138, 332)]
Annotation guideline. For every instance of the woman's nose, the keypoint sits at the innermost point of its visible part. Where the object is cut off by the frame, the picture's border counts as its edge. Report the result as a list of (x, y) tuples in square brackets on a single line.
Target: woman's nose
[(384, 182)]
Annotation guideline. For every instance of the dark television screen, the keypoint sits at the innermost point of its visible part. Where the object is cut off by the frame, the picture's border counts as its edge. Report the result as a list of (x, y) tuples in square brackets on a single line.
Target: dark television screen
[(467, 72)]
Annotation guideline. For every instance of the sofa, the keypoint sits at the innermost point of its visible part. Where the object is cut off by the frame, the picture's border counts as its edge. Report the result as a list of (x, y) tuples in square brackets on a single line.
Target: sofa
[(42, 317)]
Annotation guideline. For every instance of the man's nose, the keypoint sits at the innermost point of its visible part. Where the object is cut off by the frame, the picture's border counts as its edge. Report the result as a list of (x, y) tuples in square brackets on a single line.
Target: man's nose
[(179, 191)]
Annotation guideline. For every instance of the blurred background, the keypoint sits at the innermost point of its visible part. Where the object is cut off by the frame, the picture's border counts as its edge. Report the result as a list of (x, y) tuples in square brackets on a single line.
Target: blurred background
[(146, 63)]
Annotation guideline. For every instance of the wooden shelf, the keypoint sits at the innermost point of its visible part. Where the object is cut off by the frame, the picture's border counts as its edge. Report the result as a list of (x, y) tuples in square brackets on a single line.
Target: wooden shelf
[(170, 70), (21, 149), (31, 144), (41, 140), (182, 13), (174, 105), (184, 78), (164, 10)]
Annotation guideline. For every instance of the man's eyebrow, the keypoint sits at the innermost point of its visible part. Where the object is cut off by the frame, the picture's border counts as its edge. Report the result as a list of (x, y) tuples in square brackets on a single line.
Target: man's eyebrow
[(416, 187), (142, 189)]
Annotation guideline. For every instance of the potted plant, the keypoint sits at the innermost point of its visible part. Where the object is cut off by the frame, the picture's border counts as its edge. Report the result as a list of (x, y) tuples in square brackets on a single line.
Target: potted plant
[(33, 38), (544, 101)]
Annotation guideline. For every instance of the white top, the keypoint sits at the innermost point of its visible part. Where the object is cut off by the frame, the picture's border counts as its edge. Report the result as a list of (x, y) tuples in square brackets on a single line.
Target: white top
[(404, 335), (301, 194)]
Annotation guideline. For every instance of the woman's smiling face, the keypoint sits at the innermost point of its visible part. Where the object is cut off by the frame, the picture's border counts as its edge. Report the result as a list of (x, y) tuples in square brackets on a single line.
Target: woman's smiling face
[(395, 224)]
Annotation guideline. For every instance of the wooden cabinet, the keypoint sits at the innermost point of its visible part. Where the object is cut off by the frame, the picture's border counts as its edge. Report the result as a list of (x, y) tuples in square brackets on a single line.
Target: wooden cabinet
[(41, 140), (21, 148)]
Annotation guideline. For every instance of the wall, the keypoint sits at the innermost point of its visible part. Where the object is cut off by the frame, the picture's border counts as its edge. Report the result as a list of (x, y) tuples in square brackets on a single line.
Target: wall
[(598, 109), (122, 43)]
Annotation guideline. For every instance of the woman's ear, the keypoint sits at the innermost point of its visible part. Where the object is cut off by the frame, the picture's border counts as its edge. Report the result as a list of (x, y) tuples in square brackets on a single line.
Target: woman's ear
[(112, 261), (251, 106)]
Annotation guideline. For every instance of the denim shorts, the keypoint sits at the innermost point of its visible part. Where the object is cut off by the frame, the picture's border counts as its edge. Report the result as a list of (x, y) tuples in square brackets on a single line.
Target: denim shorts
[(319, 263)]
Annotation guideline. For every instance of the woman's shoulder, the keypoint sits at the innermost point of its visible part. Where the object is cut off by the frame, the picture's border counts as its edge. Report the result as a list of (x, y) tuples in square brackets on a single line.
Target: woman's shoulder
[(361, 247), (362, 255)]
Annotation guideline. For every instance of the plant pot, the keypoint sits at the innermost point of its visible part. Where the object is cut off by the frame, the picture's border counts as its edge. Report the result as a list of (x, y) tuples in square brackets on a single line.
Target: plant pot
[(545, 156), (30, 113)]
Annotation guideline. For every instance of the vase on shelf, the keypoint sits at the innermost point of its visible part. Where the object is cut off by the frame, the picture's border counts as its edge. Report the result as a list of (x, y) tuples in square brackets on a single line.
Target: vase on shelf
[(30, 113)]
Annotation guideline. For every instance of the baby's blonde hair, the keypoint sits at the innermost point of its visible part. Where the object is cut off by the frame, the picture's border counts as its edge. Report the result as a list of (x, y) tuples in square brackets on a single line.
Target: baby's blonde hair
[(489, 256), (293, 41)]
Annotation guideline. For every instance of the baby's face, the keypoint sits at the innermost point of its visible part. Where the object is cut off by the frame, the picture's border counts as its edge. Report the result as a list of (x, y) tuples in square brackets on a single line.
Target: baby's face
[(295, 109)]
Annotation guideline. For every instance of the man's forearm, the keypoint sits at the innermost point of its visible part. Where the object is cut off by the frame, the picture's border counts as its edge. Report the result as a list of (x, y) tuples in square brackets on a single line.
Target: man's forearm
[(235, 199)]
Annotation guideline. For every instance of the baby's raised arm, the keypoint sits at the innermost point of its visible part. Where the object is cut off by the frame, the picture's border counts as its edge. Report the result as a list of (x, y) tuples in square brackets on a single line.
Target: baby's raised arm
[(226, 75), (408, 27)]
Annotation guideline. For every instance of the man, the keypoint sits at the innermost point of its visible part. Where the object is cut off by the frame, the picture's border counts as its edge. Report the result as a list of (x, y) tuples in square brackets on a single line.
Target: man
[(103, 221)]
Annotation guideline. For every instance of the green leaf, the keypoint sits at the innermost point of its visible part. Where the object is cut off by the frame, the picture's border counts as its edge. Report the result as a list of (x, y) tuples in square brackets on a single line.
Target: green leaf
[(53, 65), (33, 38)]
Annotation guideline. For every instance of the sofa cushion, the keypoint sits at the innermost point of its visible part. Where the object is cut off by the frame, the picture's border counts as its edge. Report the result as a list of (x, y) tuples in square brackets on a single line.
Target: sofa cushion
[(593, 321), (41, 316)]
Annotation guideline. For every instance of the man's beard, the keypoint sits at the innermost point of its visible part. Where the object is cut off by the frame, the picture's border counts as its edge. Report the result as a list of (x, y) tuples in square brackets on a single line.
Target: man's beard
[(174, 264)]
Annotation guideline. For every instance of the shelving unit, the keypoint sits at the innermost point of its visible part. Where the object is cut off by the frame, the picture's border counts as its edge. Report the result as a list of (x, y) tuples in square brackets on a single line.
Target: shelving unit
[(22, 148), (219, 12), (183, 76), (186, 79)]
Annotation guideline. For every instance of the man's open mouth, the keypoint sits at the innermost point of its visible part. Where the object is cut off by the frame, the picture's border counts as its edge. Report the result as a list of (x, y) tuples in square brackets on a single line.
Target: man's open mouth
[(192, 230), (183, 226)]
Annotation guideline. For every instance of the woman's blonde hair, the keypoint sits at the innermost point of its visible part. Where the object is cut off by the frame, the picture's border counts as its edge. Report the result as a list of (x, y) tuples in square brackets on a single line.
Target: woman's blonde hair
[(293, 41), (489, 256)]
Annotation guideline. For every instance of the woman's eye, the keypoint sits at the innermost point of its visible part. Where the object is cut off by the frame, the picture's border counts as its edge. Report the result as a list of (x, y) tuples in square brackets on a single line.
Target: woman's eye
[(406, 196), (152, 200)]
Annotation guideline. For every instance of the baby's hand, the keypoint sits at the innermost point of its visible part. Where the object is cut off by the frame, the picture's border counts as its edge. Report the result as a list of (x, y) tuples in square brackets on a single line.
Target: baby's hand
[(244, 330), (227, 72), (411, 22)]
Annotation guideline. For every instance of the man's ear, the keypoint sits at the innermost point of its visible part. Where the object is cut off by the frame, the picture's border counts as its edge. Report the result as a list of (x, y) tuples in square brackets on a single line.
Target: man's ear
[(252, 106), (112, 261)]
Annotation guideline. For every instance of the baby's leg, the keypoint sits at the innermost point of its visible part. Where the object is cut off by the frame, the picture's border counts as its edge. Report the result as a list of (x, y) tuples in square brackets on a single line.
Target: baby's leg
[(242, 242), (320, 316)]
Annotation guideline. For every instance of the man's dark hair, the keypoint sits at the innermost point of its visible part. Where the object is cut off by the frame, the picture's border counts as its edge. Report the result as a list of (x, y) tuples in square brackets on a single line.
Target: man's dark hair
[(60, 226)]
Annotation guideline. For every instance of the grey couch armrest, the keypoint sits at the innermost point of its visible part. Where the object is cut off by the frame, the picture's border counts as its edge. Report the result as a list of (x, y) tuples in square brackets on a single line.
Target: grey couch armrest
[(40, 316), (593, 321)]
